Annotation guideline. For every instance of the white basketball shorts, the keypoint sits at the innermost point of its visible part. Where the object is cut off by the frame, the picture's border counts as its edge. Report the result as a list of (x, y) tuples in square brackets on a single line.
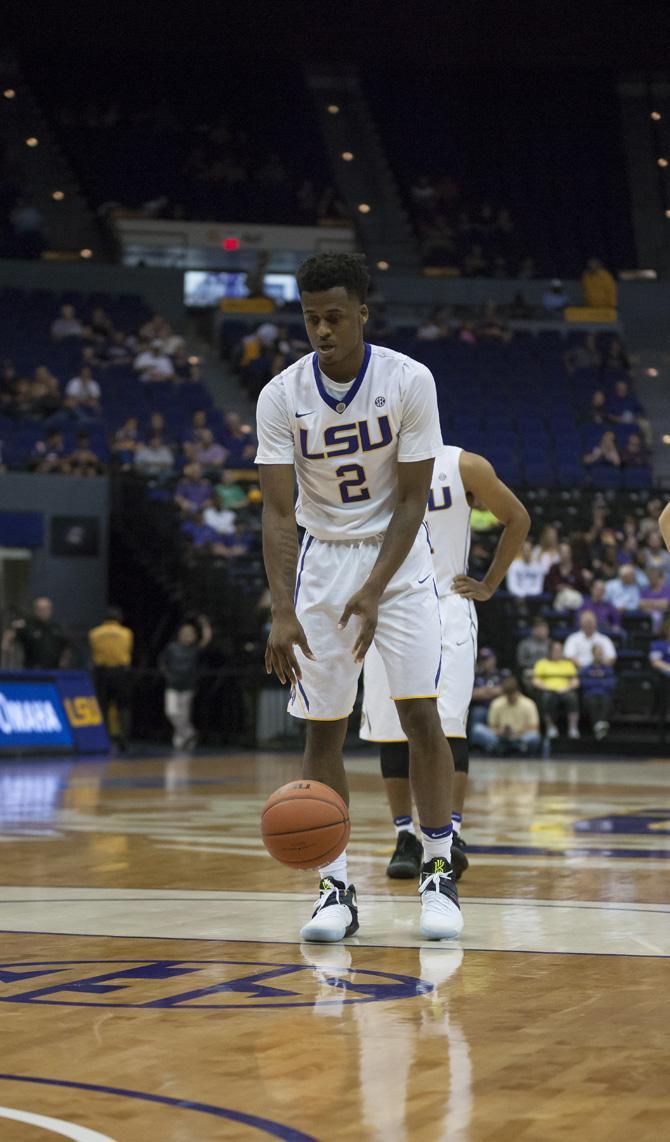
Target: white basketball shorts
[(407, 638), (379, 720)]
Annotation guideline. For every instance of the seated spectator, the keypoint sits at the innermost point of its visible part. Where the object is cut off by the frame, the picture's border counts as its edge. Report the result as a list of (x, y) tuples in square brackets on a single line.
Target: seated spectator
[(556, 679), (218, 516), (238, 542), (153, 364), (474, 263), (83, 461), (492, 327), (525, 577), (598, 683), (596, 412), (117, 350), (659, 652), (82, 395), (649, 522), (67, 325), (606, 452), (22, 405), (579, 646), (232, 496), (555, 299), (433, 328), (532, 648), (101, 324), (193, 492), (240, 442), (624, 592), (547, 550), (584, 355), (513, 723), (655, 599), (200, 535), (598, 286), (45, 394), (466, 334), (155, 459), (622, 406), (635, 454), (607, 615), (198, 421), (206, 451), (125, 442), (488, 685), (615, 356), (565, 574), (49, 455), (655, 553)]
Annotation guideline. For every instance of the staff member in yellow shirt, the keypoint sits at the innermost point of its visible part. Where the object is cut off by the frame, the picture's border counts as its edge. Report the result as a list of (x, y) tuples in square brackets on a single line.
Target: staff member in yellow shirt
[(598, 286), (557, 680), (112, 651)]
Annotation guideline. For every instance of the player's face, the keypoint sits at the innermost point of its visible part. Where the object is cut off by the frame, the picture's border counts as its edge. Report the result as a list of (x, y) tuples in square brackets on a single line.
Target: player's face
[(334, 323)]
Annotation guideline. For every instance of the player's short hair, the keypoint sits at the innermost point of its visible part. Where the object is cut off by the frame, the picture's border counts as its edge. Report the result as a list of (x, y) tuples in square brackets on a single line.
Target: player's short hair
[(326, 271)]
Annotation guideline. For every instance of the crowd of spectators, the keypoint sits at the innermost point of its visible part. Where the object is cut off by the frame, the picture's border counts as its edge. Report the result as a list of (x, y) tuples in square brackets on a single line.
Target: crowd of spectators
[(577, 601)]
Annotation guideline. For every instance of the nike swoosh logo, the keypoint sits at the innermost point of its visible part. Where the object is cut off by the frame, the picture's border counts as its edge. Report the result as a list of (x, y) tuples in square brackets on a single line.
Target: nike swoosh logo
[(308, 413), (463, 643), (424, 580)]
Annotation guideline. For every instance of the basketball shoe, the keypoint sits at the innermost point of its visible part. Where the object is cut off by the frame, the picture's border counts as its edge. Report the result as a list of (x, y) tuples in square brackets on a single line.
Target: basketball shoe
[(406, 861), (441, 916), (335, 913), (459, 859)]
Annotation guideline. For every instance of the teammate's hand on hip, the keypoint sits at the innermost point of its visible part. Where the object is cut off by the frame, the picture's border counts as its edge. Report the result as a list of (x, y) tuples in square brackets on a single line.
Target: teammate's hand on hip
[(471, 588), (365, 604), (284, 634)]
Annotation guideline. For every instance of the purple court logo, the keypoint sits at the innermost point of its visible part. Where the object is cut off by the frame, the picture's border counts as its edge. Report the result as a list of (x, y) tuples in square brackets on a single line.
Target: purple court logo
[(199, 984), (380, 401)]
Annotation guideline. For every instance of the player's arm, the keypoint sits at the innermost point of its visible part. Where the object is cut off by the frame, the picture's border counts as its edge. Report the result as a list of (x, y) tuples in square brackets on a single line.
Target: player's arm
[(664, 524), (280, 554), (480, 480), (413, 488)]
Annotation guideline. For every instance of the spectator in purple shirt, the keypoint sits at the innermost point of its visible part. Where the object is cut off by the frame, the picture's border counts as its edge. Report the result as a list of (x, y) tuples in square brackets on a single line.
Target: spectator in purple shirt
[(240, 442), (206, 451), (193, 492), (655, 599), (607, 616), (623, 407)]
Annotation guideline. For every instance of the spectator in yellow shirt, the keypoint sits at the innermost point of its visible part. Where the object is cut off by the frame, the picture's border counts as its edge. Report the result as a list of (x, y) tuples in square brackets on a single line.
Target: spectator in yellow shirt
[(112, 651), (598, 286), (513, 723), (557, 680)]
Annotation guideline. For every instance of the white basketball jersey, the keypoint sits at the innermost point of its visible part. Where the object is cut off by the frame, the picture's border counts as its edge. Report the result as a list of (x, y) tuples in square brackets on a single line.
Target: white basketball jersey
[(346, 450), (448, 518)]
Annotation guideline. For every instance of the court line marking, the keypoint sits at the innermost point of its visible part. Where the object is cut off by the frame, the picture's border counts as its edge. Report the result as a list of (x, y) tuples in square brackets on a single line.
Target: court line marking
[(275, 1129), (348, 943), (54, 1125), (469, 902)]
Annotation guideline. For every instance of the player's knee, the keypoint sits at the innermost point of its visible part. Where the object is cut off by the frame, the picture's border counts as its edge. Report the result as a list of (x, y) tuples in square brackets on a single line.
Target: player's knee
[(461, 754), (419, 718), (394, 757)]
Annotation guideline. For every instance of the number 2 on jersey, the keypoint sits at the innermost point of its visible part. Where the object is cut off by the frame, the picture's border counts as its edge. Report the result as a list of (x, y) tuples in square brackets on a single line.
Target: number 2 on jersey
[(353, 489)]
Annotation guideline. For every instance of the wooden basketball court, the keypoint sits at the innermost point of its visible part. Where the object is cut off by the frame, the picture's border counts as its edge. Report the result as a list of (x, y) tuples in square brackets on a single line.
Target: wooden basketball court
[(154, 988)]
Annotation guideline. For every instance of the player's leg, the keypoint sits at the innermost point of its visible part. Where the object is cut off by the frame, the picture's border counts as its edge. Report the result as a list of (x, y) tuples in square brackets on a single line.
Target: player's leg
[(409, 640), (380, 723), (407, 857), (324, 697), (461, 756), (459, 654)]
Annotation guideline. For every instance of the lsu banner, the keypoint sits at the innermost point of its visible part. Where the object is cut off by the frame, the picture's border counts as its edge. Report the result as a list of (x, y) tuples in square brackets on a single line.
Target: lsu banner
[(40, 710)]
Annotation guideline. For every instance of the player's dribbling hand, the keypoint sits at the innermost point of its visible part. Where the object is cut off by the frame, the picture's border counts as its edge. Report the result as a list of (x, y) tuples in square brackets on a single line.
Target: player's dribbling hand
[(279, 654), (471, 588), (365, 604)]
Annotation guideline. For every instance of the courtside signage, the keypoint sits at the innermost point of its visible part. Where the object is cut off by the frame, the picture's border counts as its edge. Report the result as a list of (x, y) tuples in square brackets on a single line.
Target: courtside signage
[(32, 715)]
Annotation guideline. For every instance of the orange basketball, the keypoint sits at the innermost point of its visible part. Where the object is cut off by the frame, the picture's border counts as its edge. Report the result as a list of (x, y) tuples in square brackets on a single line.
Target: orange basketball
[(305, 824)]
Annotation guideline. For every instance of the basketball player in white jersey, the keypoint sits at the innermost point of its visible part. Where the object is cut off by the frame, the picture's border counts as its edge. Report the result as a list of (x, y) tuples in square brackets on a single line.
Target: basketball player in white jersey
[(459, 479), (664, 525), (359, 426)]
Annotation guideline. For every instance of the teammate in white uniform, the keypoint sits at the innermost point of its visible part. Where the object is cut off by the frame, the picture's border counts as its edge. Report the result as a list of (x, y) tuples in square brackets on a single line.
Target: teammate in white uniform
[(359, 426), (459, 479)]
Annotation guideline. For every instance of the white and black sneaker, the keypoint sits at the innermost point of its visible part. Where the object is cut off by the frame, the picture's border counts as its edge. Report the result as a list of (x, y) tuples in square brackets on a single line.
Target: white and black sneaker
[(441, 917), (335, 914)]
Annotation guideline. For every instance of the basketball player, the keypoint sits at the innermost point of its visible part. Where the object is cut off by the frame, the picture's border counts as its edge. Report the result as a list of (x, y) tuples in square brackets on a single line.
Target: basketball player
[(459, 479), (359, 425), (664, 524)]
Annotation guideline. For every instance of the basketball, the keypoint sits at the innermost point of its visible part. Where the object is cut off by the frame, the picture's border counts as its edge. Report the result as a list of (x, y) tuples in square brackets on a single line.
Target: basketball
[(305, 824)]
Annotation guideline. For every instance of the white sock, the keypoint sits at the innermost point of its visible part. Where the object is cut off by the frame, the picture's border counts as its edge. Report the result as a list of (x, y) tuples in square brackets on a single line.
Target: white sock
[(336, 870), (436, 843), (404, 825), (456, 820)]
